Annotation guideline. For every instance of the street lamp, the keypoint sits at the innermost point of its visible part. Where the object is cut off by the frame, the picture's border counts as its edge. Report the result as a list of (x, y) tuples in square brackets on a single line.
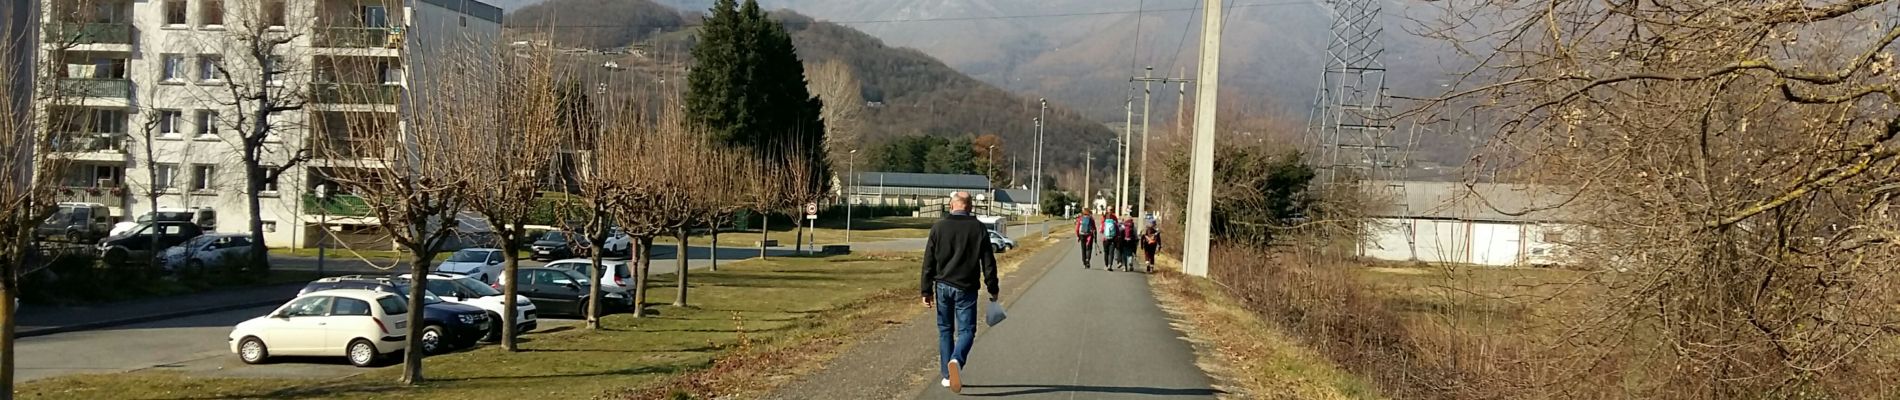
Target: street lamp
[(852, 162), (991, 178), (323, 224)]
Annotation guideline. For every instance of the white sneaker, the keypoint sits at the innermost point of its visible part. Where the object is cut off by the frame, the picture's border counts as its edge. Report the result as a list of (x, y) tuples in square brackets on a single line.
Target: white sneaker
[(946, 382)]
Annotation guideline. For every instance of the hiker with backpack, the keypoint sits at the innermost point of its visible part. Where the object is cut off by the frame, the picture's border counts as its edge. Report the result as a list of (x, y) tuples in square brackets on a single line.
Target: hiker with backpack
[(1127, 243), (1085, 233), (1150, 243), (1110, 237)]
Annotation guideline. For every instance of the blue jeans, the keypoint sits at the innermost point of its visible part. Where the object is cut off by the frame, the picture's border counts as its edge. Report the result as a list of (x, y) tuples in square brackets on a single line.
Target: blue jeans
[(956, 313)]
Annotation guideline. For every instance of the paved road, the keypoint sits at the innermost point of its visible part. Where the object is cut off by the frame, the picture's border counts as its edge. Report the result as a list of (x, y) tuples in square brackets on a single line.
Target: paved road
[(190, 343), (1081, 334)]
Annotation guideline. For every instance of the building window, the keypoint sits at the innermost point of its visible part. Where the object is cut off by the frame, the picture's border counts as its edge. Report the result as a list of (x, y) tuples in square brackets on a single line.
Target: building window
[(1553, 236), (174, 68), (175, 12), (270, 185), (162, 179), (374, 16), (274, 13), (389, 72), (94, 176), (274, 67), (208, 68), (207, 124), (203, 178), (211, 13), (270, 226), (168, 121)]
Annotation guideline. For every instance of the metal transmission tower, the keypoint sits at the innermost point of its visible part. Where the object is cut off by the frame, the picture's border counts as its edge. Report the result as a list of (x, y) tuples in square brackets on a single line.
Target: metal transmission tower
[(1358, 143)]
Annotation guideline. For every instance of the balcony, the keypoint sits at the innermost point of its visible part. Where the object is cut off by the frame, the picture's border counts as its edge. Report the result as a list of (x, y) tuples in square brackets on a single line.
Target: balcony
[(62, 33), (90, 143), (352, 37), (95, 87), (335, 205), (354, 93), (113, 196)]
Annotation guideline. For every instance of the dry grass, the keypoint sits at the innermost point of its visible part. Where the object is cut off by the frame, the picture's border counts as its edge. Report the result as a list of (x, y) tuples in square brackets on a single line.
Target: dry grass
[(1249, 358)]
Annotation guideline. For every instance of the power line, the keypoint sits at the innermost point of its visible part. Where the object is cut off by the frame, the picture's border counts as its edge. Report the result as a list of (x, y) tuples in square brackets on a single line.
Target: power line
[(1230, 7), (1134, 54)]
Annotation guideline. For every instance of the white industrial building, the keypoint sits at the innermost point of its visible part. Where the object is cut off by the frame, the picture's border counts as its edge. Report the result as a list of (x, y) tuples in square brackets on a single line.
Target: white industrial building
[(1495, 224), (130, 63)]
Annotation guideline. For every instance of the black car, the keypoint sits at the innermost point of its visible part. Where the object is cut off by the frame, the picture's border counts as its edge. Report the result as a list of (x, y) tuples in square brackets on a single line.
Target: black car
[(562, 291), (135, 246), (446, 326), (556, 245)]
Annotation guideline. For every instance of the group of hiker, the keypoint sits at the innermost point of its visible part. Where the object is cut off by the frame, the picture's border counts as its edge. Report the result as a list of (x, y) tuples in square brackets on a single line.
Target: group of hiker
[(1119, 240)]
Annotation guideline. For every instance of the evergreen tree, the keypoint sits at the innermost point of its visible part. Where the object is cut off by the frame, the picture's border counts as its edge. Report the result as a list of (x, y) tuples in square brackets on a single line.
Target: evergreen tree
[(748, 87)]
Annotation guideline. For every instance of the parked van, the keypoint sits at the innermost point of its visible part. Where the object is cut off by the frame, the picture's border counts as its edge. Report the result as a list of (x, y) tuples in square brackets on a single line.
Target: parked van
[(205, 217), (76, 222)]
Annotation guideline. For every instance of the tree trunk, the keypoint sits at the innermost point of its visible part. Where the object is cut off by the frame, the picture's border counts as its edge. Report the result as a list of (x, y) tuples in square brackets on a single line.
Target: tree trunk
[(765, 232), (14, 261), (798, 245), (412, 358), (511, 261), (260, 259), (640, 281), (679, 300), (593, 271), (713, 251)]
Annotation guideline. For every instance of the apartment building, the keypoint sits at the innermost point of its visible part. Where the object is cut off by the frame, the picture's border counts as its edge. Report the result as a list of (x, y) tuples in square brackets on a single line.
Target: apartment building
[(185, 73)]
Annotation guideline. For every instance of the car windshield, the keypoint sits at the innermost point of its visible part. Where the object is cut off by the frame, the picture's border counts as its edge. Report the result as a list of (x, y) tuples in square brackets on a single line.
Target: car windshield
[(554, 236), (469, 256), (475, 287), (427, 297)]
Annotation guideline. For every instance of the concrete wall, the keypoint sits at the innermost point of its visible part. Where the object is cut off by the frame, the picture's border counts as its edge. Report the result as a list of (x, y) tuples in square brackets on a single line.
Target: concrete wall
[(1464, 242)]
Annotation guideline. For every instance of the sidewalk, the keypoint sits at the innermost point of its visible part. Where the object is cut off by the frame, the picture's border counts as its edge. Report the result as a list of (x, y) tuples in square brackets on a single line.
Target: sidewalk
[(1072, 333), (47, 320)]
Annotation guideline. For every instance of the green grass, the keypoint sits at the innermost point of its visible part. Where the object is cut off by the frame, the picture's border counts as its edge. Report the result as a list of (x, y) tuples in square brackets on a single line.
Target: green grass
[(765, 302), (828, 232)]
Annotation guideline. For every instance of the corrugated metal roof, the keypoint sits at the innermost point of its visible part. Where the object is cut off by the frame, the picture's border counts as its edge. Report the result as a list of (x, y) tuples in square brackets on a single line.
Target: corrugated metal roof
[(1504, 202), (1021, 196), (927, 181)]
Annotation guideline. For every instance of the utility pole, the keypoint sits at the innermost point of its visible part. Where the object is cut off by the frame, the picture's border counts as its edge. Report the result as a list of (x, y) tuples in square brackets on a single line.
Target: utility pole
[(1088, 165), (1121, 149), (1042, 116), (1147, 79), (1201, 186)]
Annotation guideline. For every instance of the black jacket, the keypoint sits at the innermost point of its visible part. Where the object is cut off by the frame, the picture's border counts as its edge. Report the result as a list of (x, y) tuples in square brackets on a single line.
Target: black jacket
[(958, 253)]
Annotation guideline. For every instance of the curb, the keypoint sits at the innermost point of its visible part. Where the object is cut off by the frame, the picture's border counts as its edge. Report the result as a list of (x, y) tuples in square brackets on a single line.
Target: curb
[(145, 318)]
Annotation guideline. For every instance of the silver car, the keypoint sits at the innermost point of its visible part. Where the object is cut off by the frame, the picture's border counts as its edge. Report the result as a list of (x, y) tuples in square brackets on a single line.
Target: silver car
[(207, 250)]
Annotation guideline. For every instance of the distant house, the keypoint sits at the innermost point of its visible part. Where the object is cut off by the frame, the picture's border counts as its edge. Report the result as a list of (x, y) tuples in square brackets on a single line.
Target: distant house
[(1495, 224), (1013, 201)]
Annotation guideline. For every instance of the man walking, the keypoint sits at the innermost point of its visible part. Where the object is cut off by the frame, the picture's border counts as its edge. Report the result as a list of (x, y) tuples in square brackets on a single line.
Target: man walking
[(956, 256), (1085, 233)]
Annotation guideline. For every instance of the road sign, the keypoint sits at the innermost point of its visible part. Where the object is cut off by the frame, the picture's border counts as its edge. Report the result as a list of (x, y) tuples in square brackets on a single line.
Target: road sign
[(811, 209)]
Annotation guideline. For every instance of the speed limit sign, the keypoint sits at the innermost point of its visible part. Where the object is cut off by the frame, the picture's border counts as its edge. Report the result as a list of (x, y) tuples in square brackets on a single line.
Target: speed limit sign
[(811, 210)]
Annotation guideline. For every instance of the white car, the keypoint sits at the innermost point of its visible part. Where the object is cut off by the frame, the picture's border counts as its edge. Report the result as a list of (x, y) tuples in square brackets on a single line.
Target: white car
[(481, 263), (462, 289), (208, 250), (621, 270), (1000, 243), (364, 326)]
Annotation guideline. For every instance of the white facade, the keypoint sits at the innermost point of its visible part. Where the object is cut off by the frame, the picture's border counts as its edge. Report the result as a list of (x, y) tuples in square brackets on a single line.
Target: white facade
[(169, 67), (1483, 224)]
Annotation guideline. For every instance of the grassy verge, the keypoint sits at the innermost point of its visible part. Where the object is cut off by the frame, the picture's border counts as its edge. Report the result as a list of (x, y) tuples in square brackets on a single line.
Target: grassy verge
[(1249, 357), (828, 231), (742, 314)]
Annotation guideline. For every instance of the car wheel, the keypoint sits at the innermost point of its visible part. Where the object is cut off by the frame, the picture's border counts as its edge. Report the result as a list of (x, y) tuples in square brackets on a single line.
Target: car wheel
[(115, 256), (432, 340), (362, 353), (252, 351), (494, 328)]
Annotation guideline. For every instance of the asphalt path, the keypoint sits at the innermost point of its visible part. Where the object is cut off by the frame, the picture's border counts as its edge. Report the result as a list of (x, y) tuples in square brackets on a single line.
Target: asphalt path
[(1081, 333)]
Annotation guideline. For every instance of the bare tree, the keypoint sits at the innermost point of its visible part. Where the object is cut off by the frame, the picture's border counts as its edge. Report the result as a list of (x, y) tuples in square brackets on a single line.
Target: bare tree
[(265, 82), (1735, 163), (412, 176)]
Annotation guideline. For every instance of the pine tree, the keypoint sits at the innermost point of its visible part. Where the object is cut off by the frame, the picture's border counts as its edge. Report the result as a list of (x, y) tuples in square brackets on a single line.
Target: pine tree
[(748, 89)]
